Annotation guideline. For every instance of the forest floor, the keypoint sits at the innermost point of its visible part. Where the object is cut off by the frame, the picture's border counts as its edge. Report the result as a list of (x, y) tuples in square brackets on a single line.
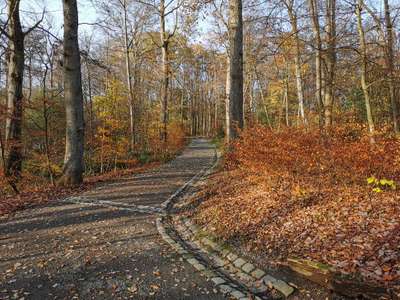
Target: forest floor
[(101, 248), (332, 200)]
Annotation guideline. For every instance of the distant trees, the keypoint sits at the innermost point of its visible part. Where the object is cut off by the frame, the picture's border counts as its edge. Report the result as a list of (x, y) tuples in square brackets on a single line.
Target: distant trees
[(164, 9), (164, 69)]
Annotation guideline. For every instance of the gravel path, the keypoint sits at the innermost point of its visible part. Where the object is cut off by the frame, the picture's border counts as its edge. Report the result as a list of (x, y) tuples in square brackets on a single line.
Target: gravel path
[(104, 244)]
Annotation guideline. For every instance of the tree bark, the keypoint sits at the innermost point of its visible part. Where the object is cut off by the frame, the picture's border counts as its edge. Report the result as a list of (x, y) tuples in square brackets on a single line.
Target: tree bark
[(318, 48), (46, 126), (235, 103), (364, 61), (129, 78), (227, 100), (330, 59), (74, 145), (165, 74), (16, 61), (390, 66), (297, 60)]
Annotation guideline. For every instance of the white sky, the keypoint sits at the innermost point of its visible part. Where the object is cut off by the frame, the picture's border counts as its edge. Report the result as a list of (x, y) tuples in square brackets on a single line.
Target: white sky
[(87, 13)]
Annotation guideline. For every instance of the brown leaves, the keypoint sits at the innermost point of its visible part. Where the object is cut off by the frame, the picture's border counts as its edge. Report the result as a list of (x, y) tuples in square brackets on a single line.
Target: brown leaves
[(302, 194)]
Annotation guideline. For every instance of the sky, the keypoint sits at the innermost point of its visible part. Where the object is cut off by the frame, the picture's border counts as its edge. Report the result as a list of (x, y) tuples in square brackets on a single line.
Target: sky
[(87, 13)]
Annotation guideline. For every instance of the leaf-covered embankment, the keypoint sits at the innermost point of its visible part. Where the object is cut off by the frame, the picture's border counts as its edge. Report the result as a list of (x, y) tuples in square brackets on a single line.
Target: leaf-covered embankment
[(304, 194)]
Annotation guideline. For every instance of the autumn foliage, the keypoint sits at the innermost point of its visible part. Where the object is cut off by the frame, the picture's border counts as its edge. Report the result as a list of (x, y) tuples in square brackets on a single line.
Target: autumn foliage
[(329, 198), (108, 152)]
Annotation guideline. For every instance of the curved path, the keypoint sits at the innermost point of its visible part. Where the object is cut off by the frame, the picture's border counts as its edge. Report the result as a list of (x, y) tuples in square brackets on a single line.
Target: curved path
[(104, 244)]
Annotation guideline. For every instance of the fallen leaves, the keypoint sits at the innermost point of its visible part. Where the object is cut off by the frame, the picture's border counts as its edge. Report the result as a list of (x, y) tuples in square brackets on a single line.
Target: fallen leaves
[(302, 194)]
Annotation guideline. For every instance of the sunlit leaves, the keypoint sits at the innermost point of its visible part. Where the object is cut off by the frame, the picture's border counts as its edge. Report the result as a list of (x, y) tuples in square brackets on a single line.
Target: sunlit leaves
[(331, 199)]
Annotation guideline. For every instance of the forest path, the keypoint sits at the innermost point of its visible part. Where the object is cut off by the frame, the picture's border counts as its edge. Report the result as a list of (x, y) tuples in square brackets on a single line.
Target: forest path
[(104, 244)]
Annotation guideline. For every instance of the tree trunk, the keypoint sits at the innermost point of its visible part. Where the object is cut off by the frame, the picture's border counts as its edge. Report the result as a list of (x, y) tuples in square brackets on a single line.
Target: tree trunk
[(364, 61), (90, 98), (227, 100), (297, 62), (129, 78), (165, 74), (46, 127), (390, 67), (287, 79), (318, 48), (330, 62), (74, 145), (235, 104), (13, 165), (264, 104)]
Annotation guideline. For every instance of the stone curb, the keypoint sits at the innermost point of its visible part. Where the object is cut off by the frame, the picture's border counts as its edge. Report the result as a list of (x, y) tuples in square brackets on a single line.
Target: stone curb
[(253, 280), (226, 258), (203, 173), (224, 284)]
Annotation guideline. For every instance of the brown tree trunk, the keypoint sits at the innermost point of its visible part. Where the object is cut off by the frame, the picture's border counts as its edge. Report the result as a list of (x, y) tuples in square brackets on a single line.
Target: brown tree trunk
[(235, 103), (227, 100), (390, 66), (46, 127), (14, 93), (74, 145), (165, 74)]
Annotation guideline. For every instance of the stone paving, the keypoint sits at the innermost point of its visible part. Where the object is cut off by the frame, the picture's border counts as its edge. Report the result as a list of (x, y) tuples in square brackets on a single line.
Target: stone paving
[(104, 244)]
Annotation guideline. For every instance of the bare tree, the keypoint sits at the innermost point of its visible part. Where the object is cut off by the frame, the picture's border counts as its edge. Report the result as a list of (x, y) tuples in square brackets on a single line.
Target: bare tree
[(364, 70), (330, 62), (16, 37), (390, 66), (129, 74), (297, 56), (313, 5), (164, 9)]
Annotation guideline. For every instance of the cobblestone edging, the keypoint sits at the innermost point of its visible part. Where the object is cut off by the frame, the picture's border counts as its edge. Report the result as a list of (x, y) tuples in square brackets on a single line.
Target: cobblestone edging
[(166, 205), (232, 275)]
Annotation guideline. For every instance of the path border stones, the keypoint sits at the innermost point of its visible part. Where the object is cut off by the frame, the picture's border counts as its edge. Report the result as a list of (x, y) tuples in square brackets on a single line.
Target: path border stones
[(233, 275)]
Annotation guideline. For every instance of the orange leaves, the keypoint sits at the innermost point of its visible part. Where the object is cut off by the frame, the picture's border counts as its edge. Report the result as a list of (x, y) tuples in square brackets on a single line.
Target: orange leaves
[(304, 194)]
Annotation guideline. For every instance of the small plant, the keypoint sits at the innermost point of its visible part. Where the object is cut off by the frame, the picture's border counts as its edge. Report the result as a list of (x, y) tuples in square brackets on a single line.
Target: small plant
[(379, 185)]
